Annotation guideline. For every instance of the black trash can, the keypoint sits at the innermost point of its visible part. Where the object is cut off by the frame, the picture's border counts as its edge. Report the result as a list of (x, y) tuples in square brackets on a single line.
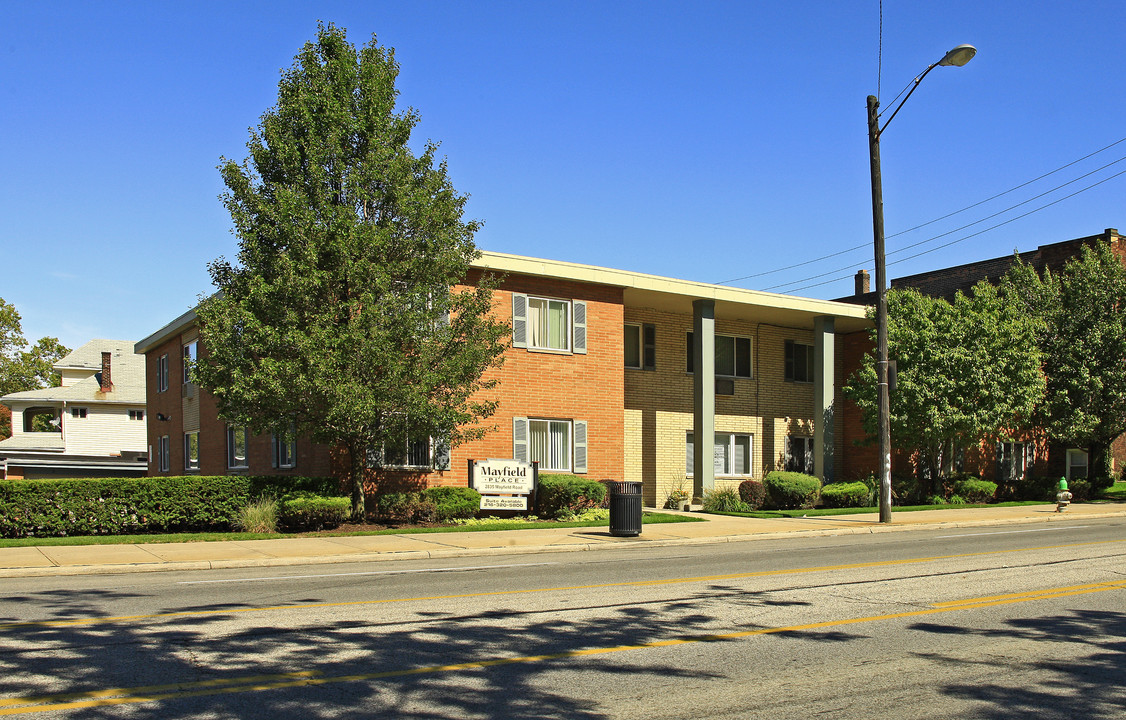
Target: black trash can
[(625, 508)]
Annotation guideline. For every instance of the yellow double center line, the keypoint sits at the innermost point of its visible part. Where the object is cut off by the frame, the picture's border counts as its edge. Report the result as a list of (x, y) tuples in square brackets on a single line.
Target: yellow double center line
[(154, 693)]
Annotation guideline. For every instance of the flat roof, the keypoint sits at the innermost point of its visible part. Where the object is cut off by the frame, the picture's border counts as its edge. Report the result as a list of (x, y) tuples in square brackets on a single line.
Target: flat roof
[(642, 290)]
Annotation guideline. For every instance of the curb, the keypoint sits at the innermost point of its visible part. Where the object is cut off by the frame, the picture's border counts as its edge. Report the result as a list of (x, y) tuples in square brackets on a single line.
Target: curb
[(617, 544)]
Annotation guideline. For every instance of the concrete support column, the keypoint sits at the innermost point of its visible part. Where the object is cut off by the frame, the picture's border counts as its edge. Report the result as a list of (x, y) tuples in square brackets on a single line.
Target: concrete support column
[(703, 396), (823, 391)]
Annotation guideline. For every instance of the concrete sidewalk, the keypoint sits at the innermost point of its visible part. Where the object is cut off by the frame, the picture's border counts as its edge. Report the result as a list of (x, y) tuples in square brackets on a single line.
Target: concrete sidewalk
[(105, 559)]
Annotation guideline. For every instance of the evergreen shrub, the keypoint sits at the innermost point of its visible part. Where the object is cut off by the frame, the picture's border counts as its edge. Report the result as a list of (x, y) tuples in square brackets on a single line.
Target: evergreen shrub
[(975, 491), (452, 503), (567, 495), (791, 490), (845, 495), (115, 506), (304, 510)]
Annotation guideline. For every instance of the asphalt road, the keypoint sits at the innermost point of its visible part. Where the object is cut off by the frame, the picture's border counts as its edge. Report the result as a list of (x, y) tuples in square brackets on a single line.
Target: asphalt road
[(1004, 622)]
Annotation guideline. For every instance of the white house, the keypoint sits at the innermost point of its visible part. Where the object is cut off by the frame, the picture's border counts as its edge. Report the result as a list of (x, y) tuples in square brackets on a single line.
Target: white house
[(93, 425)]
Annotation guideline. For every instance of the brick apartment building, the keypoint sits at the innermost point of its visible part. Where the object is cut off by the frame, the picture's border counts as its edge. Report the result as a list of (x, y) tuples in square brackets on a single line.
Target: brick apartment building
[(611, 374), (1028, 452)]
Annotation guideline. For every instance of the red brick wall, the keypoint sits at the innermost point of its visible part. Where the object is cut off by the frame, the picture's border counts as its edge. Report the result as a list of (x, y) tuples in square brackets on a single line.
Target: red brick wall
[(561, 386)]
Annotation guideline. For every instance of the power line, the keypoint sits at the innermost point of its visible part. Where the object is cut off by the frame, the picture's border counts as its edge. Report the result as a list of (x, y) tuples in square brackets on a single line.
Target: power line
[(866, 245), (953, 242)]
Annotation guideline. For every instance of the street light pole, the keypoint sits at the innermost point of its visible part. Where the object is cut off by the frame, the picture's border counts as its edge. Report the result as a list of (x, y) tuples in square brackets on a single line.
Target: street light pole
[(957, 57)]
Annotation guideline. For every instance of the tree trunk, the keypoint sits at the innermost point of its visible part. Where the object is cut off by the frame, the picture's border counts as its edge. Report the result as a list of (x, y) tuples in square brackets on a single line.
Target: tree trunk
[(357, 454)]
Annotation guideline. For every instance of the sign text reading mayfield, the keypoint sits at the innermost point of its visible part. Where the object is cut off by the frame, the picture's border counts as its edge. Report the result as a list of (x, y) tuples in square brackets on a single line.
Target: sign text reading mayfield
[(502, 477)]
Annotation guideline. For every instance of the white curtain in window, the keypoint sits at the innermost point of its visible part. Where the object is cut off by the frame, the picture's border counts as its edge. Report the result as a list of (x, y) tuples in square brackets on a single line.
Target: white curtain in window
[(537, 323)]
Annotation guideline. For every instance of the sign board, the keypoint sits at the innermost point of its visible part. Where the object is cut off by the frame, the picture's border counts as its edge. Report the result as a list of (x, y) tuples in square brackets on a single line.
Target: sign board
[(504, 484), (503, 477), (499, 502)]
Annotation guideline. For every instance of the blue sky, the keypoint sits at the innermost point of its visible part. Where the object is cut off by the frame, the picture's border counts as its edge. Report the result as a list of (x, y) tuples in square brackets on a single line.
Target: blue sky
[(705, 140)]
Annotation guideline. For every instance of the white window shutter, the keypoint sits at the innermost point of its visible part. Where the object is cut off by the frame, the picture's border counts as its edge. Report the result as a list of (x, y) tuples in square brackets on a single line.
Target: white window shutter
[(520, 439), (579, 326), (580, 446), (519, 320)]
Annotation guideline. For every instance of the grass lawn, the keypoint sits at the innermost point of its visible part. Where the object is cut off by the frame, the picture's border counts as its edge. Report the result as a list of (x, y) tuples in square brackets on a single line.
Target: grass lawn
[(1116, 493), (647, 518)]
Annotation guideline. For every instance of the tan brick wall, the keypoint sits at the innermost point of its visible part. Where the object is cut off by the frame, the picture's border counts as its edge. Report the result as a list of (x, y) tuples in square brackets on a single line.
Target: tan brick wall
[(659, 403)]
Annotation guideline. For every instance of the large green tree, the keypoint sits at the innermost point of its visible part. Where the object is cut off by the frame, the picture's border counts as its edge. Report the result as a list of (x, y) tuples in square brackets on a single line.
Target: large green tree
[(1083, 344), (967, 371), (24, 366), (341, 315)]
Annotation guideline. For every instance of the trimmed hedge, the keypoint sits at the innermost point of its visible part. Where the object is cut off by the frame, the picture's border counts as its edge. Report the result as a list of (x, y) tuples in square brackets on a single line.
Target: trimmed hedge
[(565, 495), (115, 506), (973, 490), (791, 490), (841, 495), (753, 493), (453, 503), (307, 511)]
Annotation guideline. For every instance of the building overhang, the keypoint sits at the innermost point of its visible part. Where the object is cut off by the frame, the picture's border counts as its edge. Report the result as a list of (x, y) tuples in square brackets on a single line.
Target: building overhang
[(674, 295)]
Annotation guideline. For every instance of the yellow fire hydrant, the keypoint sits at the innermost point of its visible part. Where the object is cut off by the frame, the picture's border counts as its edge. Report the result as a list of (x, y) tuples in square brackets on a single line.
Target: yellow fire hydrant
[(1063, 497)]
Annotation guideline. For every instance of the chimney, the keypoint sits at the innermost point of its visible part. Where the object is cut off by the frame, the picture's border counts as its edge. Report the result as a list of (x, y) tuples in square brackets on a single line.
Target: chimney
[(107, 382), (862, 286)]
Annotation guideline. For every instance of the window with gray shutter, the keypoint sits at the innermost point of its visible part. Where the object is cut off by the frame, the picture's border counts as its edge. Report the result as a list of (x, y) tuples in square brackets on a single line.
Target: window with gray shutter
[(520, 439), (578, 309), (519, 320), (580, 446)]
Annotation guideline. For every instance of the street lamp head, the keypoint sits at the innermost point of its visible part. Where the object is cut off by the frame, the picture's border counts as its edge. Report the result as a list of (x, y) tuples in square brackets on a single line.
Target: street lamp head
[(959, 56)]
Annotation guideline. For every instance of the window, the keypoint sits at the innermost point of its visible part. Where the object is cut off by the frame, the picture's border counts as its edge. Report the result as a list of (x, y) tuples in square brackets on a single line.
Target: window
[(78, 412), (191, 451), (190, 355), (1013, 459), (640, 345), (799, 454), (731, 454), (417, 453), (162, 373), (799, 362), (547, 324), (732, 355), (557, 445), (136, 414), (1076, 464), (237, 443), (285, 449), (162, 453)]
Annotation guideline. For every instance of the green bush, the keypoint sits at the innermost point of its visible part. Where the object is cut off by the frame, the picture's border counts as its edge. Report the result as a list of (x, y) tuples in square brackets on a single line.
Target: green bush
[(752, 493), (724, 500), (304, 510), (1081, 490), (791, 490), (405, 508), (842, 495), (975, 491), (452, 503), (115, 506), (566, 495)]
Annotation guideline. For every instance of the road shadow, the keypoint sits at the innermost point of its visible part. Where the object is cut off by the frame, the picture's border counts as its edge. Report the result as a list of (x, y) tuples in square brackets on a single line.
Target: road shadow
[(1088, 685), (501, 662)]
